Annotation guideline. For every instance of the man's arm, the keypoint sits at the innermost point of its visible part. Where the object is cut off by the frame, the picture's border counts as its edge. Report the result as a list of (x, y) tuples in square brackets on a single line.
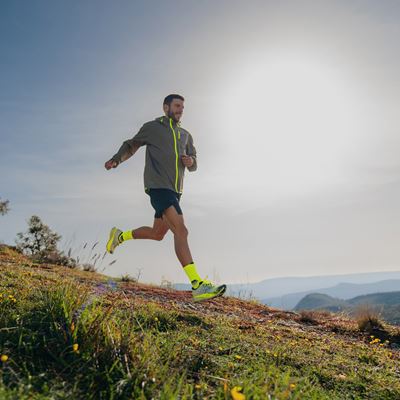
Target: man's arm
[(128, 148), (191, 152)]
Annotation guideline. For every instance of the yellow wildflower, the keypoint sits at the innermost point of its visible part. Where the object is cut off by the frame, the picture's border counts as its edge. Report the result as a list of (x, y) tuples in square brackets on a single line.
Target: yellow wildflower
[(4, 358), (236, 393), (292, 385), (197, 386), (156, 319), (75, 347), (238, 357)]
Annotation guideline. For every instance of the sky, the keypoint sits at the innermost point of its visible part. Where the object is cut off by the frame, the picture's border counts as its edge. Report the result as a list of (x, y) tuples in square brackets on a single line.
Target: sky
[(293, 107)]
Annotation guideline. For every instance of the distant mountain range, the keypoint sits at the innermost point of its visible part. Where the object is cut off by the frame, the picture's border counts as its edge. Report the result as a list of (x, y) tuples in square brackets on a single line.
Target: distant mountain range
[(342, 290), (387, 304), (285, 293)]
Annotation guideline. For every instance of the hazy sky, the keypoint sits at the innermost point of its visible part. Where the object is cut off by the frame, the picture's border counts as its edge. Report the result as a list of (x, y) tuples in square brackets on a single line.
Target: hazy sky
[(293, 106)]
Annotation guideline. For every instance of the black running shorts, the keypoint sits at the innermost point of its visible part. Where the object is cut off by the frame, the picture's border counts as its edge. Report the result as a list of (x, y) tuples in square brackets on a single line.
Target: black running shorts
[(161, 199)]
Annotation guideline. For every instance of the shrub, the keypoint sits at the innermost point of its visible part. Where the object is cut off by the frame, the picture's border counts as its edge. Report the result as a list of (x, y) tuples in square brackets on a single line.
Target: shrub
[(59, 258), (308, 317), (4, 209), (367, 318), (89, 267), (40, 243), (128, 278)]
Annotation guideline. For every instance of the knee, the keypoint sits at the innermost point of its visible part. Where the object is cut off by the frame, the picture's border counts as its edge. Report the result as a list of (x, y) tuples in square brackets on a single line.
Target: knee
[(182, 231)]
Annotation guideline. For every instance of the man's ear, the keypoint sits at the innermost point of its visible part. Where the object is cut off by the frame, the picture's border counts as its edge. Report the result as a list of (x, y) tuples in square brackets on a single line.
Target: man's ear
[(166, 108)]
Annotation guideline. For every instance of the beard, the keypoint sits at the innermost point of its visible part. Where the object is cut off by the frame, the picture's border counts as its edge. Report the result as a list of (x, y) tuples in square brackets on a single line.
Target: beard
[(172, 115)]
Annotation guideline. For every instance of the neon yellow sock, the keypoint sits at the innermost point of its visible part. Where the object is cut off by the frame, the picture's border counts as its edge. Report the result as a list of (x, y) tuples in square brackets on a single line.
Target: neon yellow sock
[(125, 236), (191, 272)]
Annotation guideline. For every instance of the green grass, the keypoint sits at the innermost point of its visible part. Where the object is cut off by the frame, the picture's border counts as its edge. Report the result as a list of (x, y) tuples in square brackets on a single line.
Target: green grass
[(132, 348)]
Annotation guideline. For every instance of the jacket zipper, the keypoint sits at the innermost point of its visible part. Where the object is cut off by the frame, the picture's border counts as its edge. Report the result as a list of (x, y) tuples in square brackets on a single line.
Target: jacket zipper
[(176, 156)]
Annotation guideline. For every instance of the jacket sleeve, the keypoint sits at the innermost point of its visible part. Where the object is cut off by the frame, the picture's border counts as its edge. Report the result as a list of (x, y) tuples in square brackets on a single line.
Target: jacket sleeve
[(191, 151), (130, 146)]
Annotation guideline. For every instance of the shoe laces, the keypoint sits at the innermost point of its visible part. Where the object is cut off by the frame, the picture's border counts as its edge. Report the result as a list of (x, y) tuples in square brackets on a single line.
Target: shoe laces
[(206, 282)]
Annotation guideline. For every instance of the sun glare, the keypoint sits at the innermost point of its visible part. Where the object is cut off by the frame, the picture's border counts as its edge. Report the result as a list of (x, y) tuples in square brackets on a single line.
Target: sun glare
[(292, 125)]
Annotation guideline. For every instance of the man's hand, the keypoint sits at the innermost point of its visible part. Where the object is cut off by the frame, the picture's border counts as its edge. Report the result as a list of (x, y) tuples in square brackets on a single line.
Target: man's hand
[(111, 164), (187, 161)]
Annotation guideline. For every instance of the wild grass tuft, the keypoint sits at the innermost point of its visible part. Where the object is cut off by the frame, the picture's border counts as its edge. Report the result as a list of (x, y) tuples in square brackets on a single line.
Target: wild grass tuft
[(368, 319)]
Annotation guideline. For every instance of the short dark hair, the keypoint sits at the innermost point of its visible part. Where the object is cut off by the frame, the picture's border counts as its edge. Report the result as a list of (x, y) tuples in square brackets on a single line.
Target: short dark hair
[(170, 97)]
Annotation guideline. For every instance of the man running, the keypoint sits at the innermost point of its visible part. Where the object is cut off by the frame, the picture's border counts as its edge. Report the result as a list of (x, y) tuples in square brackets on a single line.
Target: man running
[(169, 150)]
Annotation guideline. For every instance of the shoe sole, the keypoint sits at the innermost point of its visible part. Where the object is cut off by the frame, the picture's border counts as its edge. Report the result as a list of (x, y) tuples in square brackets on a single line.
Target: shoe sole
[(220, 293), (111, 240)]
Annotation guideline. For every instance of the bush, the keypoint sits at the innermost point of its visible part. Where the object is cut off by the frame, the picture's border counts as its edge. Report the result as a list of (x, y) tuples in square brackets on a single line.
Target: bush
[(128, 278), (40, 243), (59, 258), (367, 318), (309, 317), (4, 209), (89, 267)]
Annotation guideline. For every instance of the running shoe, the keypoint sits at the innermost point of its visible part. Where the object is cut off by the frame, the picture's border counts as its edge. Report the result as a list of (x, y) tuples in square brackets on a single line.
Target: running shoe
[(206, 291), (113, 241)]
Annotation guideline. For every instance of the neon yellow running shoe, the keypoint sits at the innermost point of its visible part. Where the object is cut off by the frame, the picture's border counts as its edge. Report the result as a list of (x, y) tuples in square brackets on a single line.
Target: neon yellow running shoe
[(206, 291), (113, 241)]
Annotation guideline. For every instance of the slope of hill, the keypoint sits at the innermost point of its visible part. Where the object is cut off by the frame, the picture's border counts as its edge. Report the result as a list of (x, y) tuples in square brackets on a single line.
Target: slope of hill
[(342, 290), (73, 334), (388, 299)]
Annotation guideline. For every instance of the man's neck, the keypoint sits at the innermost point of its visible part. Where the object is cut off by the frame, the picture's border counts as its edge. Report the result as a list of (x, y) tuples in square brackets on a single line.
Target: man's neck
[(173, 119)]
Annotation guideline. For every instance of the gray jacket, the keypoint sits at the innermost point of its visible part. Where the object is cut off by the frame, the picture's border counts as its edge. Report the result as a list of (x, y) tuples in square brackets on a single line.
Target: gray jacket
[(165, 143)]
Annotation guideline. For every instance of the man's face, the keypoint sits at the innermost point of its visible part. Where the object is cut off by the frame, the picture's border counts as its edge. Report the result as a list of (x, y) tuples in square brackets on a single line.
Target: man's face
[(175, 109)]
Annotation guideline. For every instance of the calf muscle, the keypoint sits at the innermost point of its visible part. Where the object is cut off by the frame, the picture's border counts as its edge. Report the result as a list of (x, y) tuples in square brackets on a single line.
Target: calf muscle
[(178, 228)]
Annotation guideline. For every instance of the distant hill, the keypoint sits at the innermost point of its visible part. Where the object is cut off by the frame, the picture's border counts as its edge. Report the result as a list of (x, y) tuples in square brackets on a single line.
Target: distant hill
[(321, 301), (387, 304), (342, 290), (389, 299)]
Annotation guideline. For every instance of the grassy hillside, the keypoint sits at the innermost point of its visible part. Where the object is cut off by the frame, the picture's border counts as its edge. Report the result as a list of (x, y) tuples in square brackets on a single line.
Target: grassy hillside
[(77, 335)]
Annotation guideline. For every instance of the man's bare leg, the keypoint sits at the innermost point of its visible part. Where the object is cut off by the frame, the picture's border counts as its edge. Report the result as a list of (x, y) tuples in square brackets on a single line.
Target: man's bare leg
[(157, 232), (176, 223), (201, 289)]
